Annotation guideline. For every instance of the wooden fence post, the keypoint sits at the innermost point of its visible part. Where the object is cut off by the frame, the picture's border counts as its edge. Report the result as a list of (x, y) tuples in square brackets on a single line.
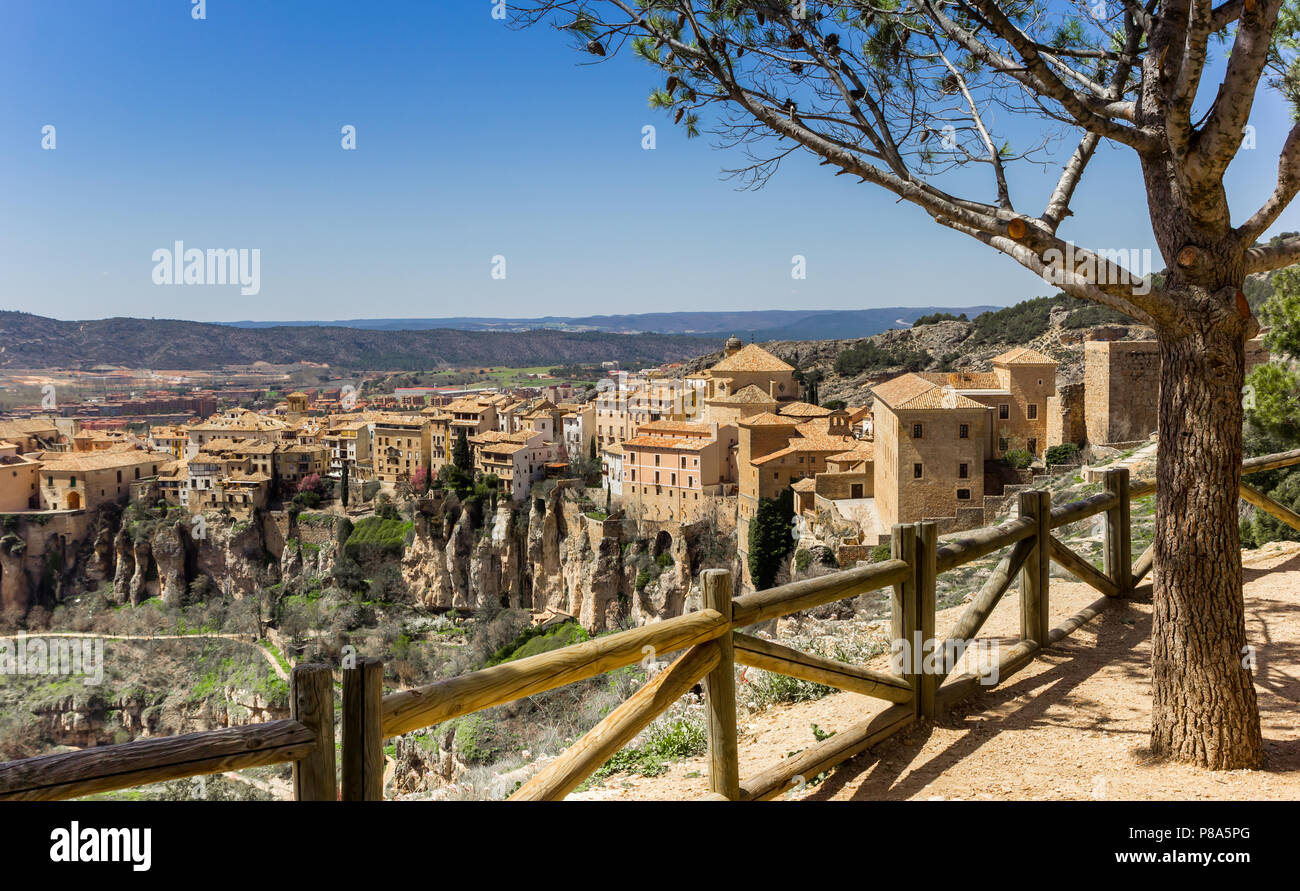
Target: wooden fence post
[(363, 743), (311, 702), (927, 581), (720, 693), (902, 660), (1119, 535), (1036, 574)]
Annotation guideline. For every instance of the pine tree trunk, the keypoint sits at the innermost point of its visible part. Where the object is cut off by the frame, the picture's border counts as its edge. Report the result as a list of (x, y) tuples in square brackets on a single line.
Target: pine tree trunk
[(1204, 708)]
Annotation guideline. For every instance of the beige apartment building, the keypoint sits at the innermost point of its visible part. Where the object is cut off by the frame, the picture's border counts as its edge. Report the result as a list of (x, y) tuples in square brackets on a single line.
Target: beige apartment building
[(19, 480), (671, 468), (517, 459), (401, 445), (1018, 390), (929, 452), (348, 441)]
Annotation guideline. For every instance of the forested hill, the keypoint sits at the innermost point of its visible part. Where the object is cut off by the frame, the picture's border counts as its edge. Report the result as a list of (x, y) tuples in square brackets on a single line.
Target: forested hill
[(31, 341)]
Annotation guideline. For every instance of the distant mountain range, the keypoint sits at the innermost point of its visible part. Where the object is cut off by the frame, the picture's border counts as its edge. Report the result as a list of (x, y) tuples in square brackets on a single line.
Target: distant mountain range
[(763, 324), (31, 341)]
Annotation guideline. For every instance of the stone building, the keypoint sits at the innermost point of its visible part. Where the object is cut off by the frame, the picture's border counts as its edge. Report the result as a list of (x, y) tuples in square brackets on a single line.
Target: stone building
[(86, 480), (400, 445), (1018, 390), (19, 479), (930, 448), (672, 468)]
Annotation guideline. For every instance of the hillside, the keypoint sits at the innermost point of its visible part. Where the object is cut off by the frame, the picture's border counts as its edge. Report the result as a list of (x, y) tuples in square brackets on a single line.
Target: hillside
[(769, 324), (31, 341), (1055, 326)]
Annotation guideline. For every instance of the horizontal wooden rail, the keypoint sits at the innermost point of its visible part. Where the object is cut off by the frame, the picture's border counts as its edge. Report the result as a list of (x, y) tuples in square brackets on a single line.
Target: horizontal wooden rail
[(419, 707), (826, 754), (982, 542), (1082, 569), (1081, 510), (619, 727), (1141, 488), (780, 659), (759, 606), (107, 768), (1270, 462)]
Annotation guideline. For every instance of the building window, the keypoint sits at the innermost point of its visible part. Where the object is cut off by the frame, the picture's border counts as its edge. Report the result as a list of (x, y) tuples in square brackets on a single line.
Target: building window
[(1031, 411), (963, 471), (916, 431), (1002, 444), (1033, 446), (1004, 411), (963, 494), (916, 471), (963, 431), (656, 460)]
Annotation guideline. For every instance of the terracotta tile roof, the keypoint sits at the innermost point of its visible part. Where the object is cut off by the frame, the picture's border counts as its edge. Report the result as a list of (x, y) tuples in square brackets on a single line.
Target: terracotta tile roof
[(613, 448), (1022, 356), (503, 448), (803, 410), (911, 391), (964, 380), (752, 357), (863, 451), (675, 427), (767, 419), (105, 460), (751, 395), (690, 443), (808, 484)]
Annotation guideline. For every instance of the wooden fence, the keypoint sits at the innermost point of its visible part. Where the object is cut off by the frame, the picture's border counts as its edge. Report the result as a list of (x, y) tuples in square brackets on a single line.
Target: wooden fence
[(710, 642)]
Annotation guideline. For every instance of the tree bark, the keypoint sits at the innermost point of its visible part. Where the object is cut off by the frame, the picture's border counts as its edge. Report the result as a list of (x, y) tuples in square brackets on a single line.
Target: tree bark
[(1204, 708)]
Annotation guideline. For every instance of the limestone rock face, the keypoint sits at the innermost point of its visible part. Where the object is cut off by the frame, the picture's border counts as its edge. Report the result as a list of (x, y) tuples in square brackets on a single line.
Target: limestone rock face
[(15, 594), (424, 565), (234, 556), (99, 567), (139, 585), (169, 553), (546, 531), (124, 558)]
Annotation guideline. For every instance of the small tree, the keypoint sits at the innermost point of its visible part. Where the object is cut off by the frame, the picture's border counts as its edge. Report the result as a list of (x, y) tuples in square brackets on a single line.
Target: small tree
[(460, 455), (771, 537), (420, 480), (344, 481)]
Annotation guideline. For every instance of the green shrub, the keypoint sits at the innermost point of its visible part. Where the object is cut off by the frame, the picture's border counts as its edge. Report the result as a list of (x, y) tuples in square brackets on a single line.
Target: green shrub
[(939, 317), (377, 537), (866, 356), (1064, 453), (1018, 458), (665, 741)]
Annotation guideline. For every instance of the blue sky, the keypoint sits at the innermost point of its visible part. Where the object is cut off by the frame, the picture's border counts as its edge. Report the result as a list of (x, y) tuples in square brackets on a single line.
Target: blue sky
[(473, 140)]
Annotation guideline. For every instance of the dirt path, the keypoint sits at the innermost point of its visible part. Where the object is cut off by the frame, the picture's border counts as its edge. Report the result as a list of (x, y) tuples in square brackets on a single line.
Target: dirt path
[(240, 638), (1072, 725)]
